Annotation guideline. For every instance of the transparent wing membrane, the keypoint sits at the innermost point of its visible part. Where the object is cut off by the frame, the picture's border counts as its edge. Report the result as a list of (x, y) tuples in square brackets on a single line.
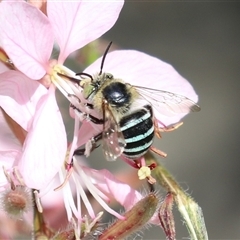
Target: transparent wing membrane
[(167, 103), (113, 142)]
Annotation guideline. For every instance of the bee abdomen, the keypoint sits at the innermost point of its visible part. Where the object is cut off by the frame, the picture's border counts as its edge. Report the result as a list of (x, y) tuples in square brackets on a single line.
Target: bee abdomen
[(138, 131)]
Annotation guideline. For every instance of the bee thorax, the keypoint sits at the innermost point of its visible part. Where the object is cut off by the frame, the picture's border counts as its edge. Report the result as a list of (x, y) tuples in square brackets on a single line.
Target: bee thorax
[(117, 94)]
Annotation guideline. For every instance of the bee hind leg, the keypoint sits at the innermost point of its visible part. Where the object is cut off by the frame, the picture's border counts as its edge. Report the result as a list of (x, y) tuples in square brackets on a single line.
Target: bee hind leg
[(89, 146), (158, 152), (171, 128)]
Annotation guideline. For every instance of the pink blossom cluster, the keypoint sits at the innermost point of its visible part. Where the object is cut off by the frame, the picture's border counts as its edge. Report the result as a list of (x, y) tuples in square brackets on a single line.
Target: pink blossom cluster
[(27, 96)]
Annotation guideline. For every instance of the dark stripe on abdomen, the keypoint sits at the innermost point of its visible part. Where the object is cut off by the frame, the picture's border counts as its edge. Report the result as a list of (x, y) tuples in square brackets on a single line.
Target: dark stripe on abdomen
[(138, 131)]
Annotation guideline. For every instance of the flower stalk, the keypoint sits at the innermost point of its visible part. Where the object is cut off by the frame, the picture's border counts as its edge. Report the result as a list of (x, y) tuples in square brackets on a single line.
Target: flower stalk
[(40, 228), (166, 217), (188, 208)]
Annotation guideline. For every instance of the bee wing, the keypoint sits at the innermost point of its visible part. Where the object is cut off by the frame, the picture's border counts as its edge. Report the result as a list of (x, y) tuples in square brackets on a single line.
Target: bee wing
[(113, 141), (167, 103)]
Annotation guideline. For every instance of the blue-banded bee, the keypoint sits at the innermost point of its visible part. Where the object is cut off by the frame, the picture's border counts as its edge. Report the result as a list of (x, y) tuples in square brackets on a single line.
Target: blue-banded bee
[(127, 113)]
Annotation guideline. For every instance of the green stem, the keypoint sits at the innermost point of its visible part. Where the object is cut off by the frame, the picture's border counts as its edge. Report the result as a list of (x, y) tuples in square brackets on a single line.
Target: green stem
[(189, 209)]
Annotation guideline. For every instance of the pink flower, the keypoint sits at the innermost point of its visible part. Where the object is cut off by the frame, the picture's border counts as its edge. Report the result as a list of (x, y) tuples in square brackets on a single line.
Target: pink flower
[(102, 185), (71, 24), (27, 36), (36, 111)]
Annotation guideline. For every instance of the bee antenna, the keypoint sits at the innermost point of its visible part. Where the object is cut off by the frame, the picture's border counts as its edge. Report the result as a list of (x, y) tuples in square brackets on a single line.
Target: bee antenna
[(75, 80), (84, 74), (104, 56)]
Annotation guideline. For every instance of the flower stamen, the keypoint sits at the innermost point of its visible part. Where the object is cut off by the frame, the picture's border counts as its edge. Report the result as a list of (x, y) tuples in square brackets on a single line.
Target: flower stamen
[(18, 176), (68, 175), (37, 201), (9, 179)]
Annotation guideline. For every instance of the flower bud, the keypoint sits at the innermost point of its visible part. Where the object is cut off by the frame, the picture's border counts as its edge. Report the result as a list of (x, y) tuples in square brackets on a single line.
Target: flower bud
[(136, 218), (166, 217), (16, 202)]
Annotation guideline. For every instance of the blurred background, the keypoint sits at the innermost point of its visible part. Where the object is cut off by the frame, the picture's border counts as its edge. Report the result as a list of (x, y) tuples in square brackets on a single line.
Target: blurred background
[(202, 41)]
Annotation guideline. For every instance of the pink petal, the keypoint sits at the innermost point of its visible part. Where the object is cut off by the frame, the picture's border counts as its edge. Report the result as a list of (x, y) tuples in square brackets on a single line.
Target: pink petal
[(53, 199), (26, 36), (10, 148), (3, 68), (121, 192), (86, 132), (19, 96), (8, 142), (6, 161), (45, 146), (140, 69), (77, 23)]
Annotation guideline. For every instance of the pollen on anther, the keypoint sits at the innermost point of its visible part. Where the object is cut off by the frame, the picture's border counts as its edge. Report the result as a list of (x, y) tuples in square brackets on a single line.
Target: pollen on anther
[(144, 172)]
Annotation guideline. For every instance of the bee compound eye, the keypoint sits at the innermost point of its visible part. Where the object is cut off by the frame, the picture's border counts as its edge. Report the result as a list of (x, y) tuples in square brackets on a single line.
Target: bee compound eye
[(109, 76)]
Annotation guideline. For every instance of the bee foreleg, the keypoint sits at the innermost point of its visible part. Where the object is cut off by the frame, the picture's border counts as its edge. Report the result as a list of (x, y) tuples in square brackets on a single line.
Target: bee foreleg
[(83, 115), (75, 101), (89, 105), (95, 120)]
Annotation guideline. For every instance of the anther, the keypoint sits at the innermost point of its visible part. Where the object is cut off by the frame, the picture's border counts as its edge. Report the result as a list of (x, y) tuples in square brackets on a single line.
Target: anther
[(37, 201)]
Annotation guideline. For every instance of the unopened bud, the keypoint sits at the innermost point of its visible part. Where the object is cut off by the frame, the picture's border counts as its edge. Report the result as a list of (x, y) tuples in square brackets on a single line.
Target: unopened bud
[(16, 202), (192, 215), (136, 218), (166, 217)]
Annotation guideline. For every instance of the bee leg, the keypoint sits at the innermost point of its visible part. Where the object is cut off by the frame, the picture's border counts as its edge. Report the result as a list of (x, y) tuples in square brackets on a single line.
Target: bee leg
[(157, 151), (89, 146), (87, 105), (95, 120), (171, 128), (157, 129), (75, 98), (82, 116)]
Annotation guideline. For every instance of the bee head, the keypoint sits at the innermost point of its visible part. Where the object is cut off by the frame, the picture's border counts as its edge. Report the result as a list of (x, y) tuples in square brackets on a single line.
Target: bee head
[(88, 90), (91, 84), (88, 85)]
